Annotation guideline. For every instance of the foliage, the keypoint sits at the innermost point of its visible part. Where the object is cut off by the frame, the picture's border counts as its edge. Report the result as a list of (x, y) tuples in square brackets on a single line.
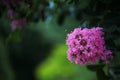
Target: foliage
[(60, 68), (17, 15)]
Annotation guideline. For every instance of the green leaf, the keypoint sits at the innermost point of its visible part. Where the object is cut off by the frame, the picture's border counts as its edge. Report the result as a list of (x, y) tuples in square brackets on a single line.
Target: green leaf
[(14, 36)]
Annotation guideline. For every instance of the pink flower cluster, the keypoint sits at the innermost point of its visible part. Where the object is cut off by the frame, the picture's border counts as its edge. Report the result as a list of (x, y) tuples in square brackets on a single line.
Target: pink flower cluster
[(16, 21), (86, 46)]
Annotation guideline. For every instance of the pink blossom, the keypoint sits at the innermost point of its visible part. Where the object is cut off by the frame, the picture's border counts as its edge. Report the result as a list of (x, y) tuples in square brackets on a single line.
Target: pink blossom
[(87, 46), (18, 23), (10, 13)]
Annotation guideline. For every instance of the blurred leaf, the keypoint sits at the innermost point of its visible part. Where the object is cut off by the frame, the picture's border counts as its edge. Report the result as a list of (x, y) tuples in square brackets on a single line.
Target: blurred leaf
[(14, 36), (5, 66), (70, 1), (61, 19)]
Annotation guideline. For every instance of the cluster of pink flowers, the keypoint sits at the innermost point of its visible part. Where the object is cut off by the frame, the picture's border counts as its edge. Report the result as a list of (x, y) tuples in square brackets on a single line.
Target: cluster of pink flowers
[(16, 22), (86, 46)]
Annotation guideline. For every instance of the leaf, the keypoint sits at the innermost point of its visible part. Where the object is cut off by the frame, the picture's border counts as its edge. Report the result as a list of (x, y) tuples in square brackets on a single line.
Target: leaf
[(14, 36)]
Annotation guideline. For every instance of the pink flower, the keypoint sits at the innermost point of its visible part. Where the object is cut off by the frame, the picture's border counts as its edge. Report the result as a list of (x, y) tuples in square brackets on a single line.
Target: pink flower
[(10, 13), (18, 23), (86, 46)]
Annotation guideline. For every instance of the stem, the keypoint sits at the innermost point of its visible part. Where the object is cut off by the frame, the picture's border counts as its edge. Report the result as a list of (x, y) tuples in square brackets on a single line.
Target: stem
[(101, 75), (5, 65), (99, 71)]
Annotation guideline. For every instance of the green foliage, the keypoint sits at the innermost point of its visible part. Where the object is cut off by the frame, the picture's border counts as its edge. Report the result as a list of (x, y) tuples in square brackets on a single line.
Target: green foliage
[(6, 72), (58, 67), (14, 36)]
